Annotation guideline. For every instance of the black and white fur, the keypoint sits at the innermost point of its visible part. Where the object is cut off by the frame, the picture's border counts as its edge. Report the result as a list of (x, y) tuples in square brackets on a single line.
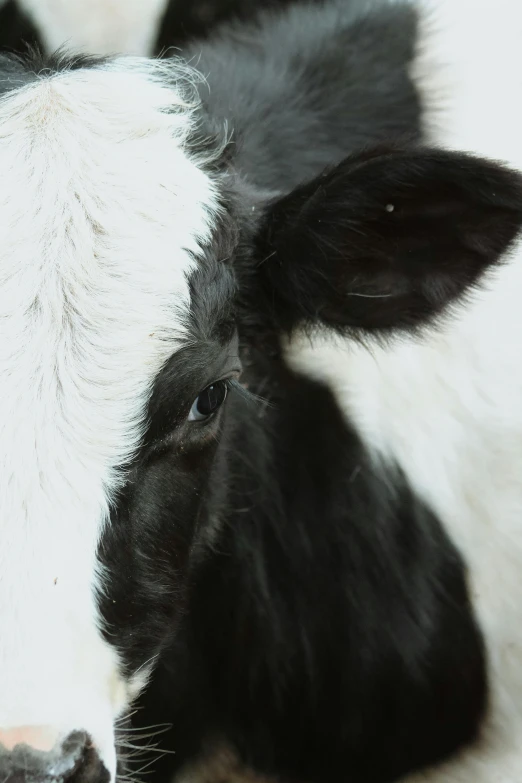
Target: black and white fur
[(112, 27), (88, 26), (325, 574)]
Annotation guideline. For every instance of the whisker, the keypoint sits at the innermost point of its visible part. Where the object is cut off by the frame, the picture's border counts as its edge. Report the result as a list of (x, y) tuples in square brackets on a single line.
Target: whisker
[(124, 717), (370, 296), (144, 733), (143, 665), (248, 395), (145, 748), (146, 766)]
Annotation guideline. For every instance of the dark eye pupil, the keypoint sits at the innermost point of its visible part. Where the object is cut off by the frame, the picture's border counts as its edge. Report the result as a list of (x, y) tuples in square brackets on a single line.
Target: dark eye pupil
[(211, 398)]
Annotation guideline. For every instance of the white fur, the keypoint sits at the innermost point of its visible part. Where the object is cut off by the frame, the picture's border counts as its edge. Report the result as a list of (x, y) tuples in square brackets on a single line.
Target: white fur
[(448, 408), (100, 207), (97, 26)]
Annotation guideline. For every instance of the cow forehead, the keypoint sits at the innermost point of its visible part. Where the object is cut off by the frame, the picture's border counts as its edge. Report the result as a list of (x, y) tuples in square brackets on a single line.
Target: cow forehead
[(102, 213)]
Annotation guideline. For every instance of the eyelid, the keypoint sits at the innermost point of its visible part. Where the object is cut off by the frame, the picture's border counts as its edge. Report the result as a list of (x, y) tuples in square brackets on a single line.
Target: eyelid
[(232, 372)]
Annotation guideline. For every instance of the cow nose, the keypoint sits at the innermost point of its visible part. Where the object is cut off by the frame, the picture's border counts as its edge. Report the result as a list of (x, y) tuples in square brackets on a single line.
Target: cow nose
[(25, 757)]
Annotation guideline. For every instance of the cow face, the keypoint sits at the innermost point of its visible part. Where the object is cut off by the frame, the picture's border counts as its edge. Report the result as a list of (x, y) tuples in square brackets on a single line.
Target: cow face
[(118, 345), (103, 214)]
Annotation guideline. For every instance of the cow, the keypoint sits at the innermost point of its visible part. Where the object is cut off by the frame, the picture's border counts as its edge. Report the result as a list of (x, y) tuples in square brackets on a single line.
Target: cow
[(260, 428)]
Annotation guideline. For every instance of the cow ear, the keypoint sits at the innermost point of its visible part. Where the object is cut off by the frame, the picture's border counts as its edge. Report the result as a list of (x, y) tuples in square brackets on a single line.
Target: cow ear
[(385, 240)]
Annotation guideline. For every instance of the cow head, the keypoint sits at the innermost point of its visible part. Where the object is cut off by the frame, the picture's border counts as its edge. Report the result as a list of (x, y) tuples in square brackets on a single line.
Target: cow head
[(124, 243)]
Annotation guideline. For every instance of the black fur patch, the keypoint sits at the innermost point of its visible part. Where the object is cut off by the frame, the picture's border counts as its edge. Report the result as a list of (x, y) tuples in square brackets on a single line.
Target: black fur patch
[(330, 632), (187, 19), (16, 29)]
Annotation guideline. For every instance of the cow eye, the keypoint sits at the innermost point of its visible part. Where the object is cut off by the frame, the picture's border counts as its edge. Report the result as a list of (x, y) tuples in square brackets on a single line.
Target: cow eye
[(208, 401)]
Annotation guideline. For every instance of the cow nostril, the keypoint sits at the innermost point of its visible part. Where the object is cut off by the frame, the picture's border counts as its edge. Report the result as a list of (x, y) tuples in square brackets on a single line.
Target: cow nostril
[(75, 760)]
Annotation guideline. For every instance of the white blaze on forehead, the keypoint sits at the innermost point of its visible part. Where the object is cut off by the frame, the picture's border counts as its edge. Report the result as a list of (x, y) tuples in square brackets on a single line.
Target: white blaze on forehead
[(100, 208)]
